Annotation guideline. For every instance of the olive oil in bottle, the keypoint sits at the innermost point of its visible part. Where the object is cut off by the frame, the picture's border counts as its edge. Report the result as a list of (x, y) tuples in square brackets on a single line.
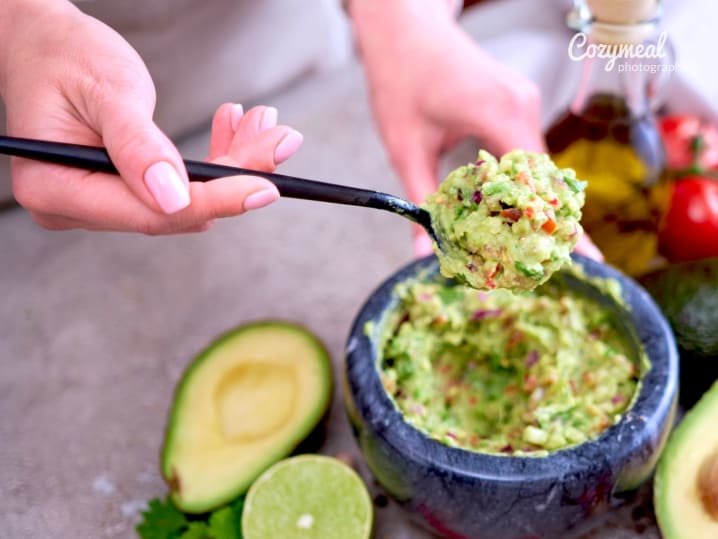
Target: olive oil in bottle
[(610, 138)]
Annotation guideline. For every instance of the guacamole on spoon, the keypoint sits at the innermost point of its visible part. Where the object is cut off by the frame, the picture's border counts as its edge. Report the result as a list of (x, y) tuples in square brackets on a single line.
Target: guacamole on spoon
[(507, 223)]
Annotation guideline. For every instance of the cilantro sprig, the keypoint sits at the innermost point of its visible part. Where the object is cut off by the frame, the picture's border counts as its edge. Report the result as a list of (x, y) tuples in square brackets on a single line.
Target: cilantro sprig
[(162, 520)]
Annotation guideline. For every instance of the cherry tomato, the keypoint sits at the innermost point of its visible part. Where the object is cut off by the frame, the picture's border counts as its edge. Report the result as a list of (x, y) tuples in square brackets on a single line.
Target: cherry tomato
[(689, 142), (690, 229)]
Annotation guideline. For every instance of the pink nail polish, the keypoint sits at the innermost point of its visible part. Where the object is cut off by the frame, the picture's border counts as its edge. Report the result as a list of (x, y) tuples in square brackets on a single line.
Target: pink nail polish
[(167, 187), (235, 116), (287, 146), (260, 199), (269, 119)]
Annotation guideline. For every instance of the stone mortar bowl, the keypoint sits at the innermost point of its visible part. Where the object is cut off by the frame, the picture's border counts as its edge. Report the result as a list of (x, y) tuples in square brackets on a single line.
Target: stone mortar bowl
[(463, 494)]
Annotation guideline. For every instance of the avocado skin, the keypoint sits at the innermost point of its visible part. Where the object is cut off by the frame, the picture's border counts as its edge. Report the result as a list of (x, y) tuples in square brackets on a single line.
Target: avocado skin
[(687, 293), (679, 467)]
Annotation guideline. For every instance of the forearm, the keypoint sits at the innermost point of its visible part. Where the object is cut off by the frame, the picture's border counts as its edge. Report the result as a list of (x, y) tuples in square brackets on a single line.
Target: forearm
[(374, 21)]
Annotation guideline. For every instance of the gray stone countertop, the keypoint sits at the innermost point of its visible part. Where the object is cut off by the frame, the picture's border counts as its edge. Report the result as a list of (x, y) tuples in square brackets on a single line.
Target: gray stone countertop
[(96, 328)]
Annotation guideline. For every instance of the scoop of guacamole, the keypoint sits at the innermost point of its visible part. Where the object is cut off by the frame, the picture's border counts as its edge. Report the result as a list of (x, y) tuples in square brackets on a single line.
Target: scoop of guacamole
[(506, 224), (504, 373)]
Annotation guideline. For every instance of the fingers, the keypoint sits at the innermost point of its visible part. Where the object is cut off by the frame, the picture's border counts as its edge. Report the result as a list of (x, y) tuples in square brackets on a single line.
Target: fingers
[(251, 140), (61, 198), (224, 124), (417, 165), (105, 202), (145, 158), (422, 242), (587, 248)]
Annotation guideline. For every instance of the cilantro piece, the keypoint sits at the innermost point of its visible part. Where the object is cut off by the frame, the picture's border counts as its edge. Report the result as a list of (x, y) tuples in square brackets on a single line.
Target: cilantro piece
[(161, 520), (196, 530), (529, 272), (223, 524), (575, 185), (449, 295)]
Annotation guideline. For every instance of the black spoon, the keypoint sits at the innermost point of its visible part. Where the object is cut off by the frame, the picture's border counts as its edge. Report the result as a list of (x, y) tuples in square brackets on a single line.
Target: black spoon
[(98, 160)]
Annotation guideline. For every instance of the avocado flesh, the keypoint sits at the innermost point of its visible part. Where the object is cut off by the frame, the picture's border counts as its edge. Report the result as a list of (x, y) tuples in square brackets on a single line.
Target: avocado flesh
[(244, 403), (686, 483)]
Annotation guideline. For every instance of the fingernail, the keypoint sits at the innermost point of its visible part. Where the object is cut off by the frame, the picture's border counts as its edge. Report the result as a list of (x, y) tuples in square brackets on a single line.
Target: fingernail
[(287, 146), (235, 116), (269, 119), (260, 199), (167, 187)]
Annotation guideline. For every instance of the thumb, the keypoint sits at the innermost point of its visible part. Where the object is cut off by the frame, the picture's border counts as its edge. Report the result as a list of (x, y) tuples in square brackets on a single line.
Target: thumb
[(145, 157)]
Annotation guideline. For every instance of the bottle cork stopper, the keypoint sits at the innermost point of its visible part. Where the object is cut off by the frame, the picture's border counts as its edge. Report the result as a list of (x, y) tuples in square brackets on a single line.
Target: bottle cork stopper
[(622, 21), (623, 11)]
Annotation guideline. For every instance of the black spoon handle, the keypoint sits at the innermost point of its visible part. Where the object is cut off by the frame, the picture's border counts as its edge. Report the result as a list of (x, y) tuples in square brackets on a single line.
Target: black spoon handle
[(97, 159)]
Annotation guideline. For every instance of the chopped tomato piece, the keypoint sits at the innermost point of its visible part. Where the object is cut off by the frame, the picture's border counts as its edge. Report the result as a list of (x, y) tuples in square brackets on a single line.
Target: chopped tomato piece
[(549, 226)]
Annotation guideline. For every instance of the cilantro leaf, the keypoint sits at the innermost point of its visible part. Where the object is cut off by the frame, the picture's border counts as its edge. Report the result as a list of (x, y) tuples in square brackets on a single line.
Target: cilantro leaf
[(223, 525), (196, 530), (449, 295), (575, 185), (161, 520), (533, 273)]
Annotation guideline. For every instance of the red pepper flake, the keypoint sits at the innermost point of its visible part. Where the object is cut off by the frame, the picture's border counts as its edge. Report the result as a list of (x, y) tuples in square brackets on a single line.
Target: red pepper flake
[(553, 202), (529, 212), (451, 435), (474, 440), (617, 399), (473, 400), (476, 198), (508, 448)]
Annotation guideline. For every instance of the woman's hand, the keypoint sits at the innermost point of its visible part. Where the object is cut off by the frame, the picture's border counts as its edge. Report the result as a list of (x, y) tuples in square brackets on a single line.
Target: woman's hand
[(67, 77), (431, 86)]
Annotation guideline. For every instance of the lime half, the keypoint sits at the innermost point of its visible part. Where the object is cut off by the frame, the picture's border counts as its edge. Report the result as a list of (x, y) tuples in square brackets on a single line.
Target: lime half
[(308, 497)]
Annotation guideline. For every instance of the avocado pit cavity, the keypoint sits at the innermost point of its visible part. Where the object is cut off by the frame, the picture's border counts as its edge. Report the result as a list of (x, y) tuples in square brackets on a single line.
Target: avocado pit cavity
[(708, 484), (247, 404)]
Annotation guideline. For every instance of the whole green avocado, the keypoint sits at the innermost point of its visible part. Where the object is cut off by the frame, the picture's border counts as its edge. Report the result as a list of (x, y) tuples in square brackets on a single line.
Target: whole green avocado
[(688, 295)]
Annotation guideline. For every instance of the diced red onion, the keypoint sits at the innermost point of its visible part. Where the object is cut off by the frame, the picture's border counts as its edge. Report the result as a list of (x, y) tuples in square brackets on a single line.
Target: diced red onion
[(532, 358), (482, 314)]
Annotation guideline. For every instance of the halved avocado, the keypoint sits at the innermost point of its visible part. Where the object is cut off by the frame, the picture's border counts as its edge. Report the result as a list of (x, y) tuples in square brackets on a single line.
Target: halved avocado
[(686, 483), (244, 403)]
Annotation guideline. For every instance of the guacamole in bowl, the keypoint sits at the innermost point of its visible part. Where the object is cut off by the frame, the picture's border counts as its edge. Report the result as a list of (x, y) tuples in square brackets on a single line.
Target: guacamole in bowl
[(508, 223), (507, 373)]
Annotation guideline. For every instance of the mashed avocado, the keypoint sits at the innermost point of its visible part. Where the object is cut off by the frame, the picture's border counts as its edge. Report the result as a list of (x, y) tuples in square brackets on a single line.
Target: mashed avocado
[(498, 372), (506, 224)]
